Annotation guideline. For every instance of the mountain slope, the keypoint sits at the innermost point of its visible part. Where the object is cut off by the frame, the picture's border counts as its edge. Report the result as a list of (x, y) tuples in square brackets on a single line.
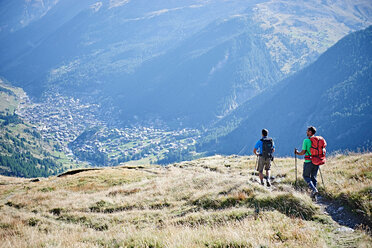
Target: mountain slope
[(210, 202), (333, 94), (206, 76), (169, 53)]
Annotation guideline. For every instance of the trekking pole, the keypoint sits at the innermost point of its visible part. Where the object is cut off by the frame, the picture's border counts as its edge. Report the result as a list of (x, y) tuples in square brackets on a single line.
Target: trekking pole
[(296, 170), (275, 164), (256, 165), (322, 180)]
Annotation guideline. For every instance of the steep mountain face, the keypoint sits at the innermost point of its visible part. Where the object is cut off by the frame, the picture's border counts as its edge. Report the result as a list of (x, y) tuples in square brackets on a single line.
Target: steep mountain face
[(17, 14), (315, 25), (183, 63), (333, 94), (203, 77)]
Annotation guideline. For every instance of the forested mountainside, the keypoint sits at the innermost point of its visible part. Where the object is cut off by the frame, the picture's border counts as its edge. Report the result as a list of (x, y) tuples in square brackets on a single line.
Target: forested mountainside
[(333, 94), (23, 150)]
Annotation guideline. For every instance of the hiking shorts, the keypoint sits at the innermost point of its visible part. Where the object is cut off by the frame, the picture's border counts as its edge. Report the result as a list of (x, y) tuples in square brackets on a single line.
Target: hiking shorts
[(263, 163)]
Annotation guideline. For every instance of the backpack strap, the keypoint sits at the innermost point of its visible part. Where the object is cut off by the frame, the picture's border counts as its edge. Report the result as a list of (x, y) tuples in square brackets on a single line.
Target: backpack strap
[(309, 156)]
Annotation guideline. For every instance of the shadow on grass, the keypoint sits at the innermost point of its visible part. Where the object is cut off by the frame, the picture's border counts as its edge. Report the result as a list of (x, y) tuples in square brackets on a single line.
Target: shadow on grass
[(287, 204)]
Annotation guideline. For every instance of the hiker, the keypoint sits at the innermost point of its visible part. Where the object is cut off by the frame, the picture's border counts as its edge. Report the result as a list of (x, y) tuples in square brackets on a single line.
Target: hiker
[(311, 164), (264, 149)]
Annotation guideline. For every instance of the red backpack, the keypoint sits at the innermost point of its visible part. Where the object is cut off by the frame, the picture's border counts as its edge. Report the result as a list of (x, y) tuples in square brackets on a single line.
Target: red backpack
[(318, 150)]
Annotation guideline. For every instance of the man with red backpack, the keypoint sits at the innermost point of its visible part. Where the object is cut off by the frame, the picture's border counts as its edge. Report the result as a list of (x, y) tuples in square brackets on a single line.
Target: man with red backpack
[(314, 150)]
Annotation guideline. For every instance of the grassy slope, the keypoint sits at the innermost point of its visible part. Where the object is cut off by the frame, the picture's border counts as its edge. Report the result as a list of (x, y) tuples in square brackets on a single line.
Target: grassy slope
[(210, 202), (8, 101), (349, 179)]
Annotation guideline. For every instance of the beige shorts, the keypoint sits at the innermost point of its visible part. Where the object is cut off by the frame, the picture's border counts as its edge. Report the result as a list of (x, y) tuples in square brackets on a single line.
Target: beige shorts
[(263, 163)]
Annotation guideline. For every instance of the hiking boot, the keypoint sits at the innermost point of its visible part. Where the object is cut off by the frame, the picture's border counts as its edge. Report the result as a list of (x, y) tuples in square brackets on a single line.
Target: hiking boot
[(314, 195), (268, 184), (262, 183)]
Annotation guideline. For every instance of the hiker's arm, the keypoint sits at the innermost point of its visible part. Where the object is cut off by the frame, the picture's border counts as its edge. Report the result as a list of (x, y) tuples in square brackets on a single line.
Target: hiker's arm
[(273, 150), (255, 151), (300, 153)]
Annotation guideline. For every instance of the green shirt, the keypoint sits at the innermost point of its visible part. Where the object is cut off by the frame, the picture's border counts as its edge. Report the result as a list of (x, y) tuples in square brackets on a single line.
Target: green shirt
[(306, 145)]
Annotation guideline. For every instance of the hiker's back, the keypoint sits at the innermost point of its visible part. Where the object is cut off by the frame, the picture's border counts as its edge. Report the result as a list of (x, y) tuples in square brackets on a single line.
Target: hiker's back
[(318, 150), (267, 147)]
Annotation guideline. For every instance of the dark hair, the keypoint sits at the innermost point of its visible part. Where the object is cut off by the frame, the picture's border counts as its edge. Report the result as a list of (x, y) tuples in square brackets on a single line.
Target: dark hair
[(265, 132), (312, 129)]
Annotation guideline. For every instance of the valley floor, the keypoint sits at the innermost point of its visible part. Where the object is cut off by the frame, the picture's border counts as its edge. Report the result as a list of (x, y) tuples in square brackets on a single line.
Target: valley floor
[(210, 202)]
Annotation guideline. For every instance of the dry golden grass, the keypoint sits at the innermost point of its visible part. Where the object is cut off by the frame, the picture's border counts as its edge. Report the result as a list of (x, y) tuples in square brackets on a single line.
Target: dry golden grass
[(210, 202), (347, 178)]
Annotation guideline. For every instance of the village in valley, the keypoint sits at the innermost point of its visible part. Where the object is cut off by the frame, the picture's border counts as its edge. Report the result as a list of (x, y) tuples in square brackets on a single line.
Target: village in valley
[(76, 128)]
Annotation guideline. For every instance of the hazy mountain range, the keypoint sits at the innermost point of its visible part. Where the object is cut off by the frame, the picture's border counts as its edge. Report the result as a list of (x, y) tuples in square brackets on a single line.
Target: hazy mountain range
[(181, 62), (227, 68)]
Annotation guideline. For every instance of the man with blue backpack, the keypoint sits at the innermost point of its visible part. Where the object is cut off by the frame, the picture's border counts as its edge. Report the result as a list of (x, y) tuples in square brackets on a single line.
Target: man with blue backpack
[(264, 149)]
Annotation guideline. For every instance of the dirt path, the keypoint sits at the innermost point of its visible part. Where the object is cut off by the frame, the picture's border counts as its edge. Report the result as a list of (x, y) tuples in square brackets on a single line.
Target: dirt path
[(339, 213), (347, 220)]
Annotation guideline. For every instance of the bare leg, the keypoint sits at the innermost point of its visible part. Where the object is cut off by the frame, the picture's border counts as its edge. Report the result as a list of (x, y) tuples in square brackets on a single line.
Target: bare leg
[(260, 174), (268, 177), (268, 174)]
